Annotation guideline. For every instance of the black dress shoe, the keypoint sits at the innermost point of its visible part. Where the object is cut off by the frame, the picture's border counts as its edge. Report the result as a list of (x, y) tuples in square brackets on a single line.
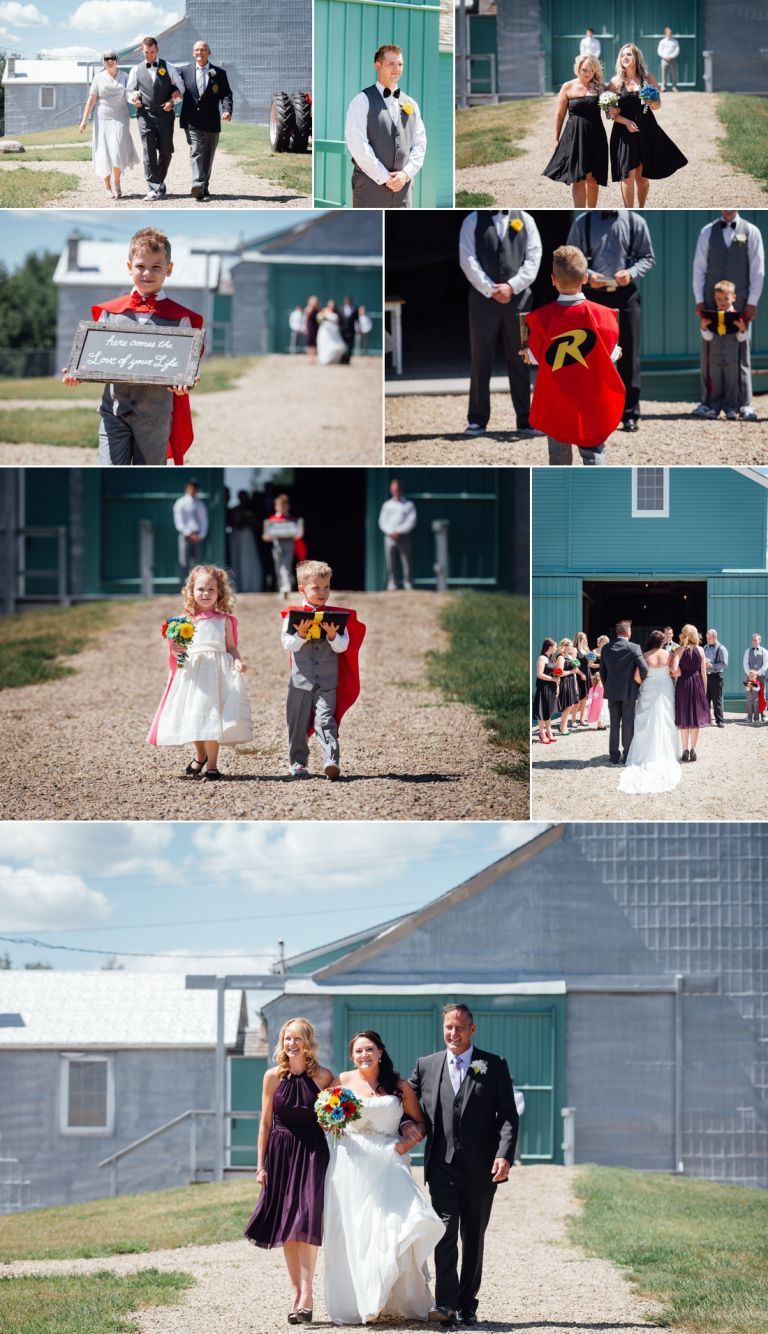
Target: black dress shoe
[(630, 424), (466, 1317), (440, 1315)]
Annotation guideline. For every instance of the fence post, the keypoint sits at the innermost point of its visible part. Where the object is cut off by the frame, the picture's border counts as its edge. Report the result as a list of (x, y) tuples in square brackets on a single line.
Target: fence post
[(192, 1149), (61, 562), (113, 1179), (147, 557), (708, 71), (440, 529), (569, 1135)]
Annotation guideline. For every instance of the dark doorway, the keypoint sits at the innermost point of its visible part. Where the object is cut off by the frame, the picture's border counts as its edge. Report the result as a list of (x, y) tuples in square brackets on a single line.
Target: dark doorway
[(332, 502), (422, 269), (648, 605)]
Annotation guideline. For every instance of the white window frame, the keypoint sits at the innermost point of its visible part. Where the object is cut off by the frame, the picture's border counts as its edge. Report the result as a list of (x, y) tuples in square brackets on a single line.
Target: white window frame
[(82, 1057), (638, 513), (50, 87)]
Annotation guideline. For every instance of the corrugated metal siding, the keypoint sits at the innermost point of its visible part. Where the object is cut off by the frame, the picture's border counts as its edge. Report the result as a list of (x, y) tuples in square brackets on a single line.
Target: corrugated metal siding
[(23, 114), (125, 501), (520, 39), (737, 34), (617, 22), (556, 610), (737, 607), (347, 35)]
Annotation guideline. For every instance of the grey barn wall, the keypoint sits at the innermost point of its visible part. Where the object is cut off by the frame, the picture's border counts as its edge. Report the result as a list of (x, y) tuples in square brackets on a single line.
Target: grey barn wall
[(151, 1087), (317, 1009), (23, 115), (518, 41), (737, 34), (250, 303)]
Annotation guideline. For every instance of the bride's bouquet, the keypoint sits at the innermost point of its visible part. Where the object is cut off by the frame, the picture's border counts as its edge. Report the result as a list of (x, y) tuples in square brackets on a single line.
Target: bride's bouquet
[(180, 631), (607, 100), (335, 1107), (648, 96)]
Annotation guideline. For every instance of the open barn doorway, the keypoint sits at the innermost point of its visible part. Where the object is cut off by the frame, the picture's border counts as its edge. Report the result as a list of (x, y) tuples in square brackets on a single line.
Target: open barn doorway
[(648, 604)]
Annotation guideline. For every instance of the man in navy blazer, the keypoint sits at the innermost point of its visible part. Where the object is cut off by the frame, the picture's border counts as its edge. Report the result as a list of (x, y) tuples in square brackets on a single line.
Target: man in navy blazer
[(207, 102), (618, 661), (471, 1123)]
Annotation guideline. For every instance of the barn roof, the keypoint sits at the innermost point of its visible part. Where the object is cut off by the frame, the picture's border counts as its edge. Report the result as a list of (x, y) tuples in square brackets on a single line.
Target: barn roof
[(338, 236), (46, 71), (112, 1009), (105, 262)]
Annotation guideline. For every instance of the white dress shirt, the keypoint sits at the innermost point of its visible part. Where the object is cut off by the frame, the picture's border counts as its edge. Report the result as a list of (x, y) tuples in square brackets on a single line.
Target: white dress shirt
[(202, 75), (458, 1067), (755, 255), (173, 74), (190, 515), (144, 317), (293, 641), (474, 272), (356, 135), (668, 48), (397, 516), (589, 46), (761, 670)]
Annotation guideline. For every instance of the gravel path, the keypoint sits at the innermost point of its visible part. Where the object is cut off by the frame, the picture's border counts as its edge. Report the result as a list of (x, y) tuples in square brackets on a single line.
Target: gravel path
[(711, 789), (232, 187), (428, 429), (284, 411), (690, 119), (534, 1279), (77, 750)]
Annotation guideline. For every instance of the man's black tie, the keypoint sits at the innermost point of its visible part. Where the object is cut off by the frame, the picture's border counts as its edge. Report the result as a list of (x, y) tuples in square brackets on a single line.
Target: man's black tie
[(728, 224), (151, 64), (389, 93)]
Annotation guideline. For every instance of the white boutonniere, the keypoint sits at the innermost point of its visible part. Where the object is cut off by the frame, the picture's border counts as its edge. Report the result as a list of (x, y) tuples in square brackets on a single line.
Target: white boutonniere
[(739, 238), (479, 1067)]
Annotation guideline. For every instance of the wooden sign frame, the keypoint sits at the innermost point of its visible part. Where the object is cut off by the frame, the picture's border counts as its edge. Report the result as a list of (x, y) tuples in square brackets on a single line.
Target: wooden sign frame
[(122, 338)]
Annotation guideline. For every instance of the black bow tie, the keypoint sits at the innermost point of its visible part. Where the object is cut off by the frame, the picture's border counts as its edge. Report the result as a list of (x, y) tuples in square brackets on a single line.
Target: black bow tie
[(610, 213), (388, 92), (728, 224), (151, 64)]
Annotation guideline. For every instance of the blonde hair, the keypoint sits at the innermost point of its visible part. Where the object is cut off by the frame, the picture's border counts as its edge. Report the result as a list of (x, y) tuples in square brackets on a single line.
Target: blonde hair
[(226, 598), (725, 285), (312, 569), (597, 76), (689, 637), (640, 70), (307, 1033), (564, 643), (581, 642), (149, 238), (569, 264)]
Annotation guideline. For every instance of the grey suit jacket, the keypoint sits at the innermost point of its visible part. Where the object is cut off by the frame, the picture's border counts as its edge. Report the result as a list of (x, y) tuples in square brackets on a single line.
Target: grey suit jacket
[(618, 661), (489, 1117)]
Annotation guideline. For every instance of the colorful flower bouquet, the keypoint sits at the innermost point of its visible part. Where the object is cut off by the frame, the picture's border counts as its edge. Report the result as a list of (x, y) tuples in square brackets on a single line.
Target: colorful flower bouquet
[(607, 100), (335, 1107), (648, 96), (178, 630)]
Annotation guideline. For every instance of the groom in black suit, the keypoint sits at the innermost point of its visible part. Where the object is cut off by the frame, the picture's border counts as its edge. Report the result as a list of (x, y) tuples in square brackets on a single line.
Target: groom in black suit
[(472, 1122), (618, 661), (207, 102)]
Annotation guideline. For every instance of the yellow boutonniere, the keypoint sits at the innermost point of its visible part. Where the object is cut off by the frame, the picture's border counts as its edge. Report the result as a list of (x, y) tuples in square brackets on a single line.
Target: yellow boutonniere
[(215, 87), (515, 225), (162, 70), (408, 108)]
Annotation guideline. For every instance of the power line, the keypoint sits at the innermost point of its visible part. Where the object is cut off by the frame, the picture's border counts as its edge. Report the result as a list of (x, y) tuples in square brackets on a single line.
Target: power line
[(126, 954), (216, 921)]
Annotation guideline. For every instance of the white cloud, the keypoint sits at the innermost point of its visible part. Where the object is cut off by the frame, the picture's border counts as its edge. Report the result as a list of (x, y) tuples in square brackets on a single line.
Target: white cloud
[(106, 851), (34, 901), (25, 16), (121, 17), (70, 53), (219, 965)]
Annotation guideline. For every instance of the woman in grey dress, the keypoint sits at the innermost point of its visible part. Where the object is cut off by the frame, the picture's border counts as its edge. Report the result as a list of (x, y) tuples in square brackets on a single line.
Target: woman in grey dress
[(113, 147)]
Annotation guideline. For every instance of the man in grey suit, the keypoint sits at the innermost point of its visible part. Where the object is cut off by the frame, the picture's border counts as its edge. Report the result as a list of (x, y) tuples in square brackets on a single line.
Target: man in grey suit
[(618, 661)]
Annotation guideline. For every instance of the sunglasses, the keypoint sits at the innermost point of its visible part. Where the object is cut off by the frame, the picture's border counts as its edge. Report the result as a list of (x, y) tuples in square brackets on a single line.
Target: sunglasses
[(110, 58)]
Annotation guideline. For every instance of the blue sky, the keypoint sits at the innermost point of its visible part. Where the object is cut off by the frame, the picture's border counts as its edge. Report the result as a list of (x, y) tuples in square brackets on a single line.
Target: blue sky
[(217, 897), (25, 230), (68, 30)]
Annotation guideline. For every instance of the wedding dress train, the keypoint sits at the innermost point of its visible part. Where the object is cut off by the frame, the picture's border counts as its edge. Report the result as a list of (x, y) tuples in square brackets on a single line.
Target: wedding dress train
[(653, 762)]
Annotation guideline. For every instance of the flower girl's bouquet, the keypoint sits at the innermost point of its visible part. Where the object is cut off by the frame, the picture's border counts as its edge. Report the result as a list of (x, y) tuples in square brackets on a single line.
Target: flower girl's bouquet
[(335, 1107), (179, 630)]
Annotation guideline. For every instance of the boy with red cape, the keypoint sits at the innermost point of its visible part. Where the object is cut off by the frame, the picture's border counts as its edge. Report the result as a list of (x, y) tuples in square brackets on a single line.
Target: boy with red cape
[(325, 677), (579, 397), (145, 424)]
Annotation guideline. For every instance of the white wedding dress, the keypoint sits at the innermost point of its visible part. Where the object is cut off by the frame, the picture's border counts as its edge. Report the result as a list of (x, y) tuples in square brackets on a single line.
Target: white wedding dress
[(330, 344), (378, 1228), (653, 762)]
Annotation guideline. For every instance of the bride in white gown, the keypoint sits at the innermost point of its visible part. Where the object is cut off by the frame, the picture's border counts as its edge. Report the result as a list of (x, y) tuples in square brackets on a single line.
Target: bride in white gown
[(653, 762), (330, 344), (378, 1227)]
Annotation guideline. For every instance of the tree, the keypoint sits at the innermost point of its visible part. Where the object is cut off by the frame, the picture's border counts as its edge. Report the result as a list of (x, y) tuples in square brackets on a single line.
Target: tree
[(2, 93), (38, 967), (111, 965), (27, 314)]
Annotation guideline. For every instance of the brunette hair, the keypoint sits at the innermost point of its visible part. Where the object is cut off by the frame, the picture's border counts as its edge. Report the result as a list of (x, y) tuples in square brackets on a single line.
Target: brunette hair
[(654, 640), (149, 238), (226, 598), (460, 1006), (308, 1036), (384, 51), (389, 1079), (548, 644)]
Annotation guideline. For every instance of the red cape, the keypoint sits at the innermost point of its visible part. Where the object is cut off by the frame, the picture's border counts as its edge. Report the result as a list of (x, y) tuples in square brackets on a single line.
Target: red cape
[(579, 396), (299, 545), (348, 687), (182, 435)]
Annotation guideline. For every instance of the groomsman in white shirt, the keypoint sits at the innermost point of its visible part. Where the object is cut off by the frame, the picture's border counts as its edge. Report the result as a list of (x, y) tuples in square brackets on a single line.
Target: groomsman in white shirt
[(397, 520), (386, 137), (589, 45), (190, 519), (668, 51)]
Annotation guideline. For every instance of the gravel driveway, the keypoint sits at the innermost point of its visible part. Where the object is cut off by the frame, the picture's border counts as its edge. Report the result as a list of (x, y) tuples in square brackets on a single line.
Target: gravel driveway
[(232, 187), (714, 788), (690, 119), (76, 747), (283, 411), (428, 429), (534, 1279)]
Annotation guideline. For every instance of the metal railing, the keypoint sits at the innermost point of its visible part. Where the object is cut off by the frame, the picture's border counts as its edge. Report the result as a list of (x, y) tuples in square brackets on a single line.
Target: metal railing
[(23, 573), (191, 1115)]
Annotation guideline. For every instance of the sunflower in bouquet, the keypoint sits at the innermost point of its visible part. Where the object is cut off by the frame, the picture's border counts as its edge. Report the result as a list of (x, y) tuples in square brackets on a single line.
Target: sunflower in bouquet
[(179, 631), (335, 1107)]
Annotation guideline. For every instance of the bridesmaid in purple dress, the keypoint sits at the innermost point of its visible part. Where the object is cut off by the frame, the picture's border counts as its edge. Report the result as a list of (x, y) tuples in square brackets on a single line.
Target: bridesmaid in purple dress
[(689, 668), (292, 1160)]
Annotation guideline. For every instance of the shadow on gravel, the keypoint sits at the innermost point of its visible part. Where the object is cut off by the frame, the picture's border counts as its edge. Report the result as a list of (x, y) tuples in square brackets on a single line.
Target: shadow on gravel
[(343, 778), (453, 437), (598, 762), (403, 778)]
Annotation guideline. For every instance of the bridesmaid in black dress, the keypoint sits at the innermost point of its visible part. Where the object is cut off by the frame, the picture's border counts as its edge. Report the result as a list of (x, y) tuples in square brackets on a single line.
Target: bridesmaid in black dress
[(640, 150), (292, 1158), (580, 158), (545, 699)]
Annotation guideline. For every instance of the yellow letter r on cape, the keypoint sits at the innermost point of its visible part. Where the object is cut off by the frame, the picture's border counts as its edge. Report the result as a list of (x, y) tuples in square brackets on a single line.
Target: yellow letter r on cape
[(571, 346)]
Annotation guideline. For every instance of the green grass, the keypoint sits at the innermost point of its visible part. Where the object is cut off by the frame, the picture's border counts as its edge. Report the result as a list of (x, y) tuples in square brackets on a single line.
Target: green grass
[(97, 1303), (38, 388), (292, 170), (486, 666), (25, 426), (23, 188), (492, 133), (82, 153), (699, 1248), (473, 199), (31, 648), (67, 134), (131, 1224), (746, 123)]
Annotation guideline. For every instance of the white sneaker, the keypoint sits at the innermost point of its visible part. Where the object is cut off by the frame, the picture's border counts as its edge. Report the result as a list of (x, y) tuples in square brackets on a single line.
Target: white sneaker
[(391, 586), (474, 429), (299, 771), (748, 415), (703, 411), (332, 772)]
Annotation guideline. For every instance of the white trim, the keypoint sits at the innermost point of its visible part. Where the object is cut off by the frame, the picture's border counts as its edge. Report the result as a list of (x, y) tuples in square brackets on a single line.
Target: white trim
[(346, 261), (64, 1127), (40, 92), (663, 513), (753, 475), (305, 986)]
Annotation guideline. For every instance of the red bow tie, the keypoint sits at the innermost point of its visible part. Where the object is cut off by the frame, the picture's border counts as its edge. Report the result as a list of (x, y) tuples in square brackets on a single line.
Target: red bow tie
[(143, 304)]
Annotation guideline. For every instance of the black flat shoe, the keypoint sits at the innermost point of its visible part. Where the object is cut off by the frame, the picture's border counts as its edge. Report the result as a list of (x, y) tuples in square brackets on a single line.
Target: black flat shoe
[(304, 1317), (192, 772), (684, 758), (211, 775), (693, 755), (293, 1319)]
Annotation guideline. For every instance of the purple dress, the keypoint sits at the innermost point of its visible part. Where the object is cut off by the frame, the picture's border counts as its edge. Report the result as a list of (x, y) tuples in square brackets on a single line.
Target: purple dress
[(290, 1207), (691, 707)]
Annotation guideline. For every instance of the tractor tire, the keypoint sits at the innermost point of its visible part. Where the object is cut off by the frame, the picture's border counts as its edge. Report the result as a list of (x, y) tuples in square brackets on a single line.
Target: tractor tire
[(302, 119), (281, 123)]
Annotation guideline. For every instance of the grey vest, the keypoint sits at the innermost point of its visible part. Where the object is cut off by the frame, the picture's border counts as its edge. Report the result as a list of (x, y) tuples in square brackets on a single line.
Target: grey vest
[(731, 262), (390, 140), (153, 91), (450, 1106), (499, 259), (315, 665), (118, 399), (755, 660)]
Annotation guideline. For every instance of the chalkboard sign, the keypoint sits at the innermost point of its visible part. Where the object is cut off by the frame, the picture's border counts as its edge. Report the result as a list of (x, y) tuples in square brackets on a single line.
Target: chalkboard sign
[(337, 618), (284, 530), (141, 354)]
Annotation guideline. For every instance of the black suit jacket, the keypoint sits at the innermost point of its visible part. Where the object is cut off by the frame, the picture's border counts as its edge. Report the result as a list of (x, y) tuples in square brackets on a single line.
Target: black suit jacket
[(618, 661), (204, 113), (489, 1118), (347, 322)]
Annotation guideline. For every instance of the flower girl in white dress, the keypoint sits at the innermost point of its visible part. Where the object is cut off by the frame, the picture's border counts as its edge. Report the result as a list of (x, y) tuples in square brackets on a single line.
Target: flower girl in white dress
[(205, 701)]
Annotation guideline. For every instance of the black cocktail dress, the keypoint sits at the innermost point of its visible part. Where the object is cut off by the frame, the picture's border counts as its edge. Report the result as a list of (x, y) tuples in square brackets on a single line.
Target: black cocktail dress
[(583, 145), (660, 157)]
